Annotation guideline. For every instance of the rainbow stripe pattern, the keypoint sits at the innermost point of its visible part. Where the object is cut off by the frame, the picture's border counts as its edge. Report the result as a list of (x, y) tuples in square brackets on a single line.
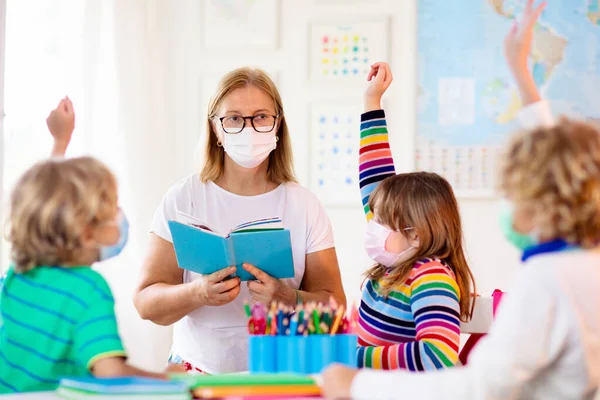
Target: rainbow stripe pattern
[(417, 326)]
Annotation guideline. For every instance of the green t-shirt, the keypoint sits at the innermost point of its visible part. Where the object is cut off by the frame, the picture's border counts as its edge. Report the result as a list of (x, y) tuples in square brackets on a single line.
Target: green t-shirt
[(56, 322)]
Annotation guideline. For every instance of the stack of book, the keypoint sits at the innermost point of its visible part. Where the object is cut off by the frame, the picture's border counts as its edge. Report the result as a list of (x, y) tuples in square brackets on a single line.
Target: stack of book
[(122, 388), (275, 386)]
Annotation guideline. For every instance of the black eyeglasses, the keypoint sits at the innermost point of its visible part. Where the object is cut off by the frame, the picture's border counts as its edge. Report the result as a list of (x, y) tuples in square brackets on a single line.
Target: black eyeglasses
[(262, 123)]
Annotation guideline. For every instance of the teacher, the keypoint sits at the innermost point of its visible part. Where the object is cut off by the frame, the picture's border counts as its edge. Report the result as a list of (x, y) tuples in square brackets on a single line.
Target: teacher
[(248, 174)]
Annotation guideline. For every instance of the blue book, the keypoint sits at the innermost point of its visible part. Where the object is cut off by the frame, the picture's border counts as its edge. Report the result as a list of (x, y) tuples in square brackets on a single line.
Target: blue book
[(125, 385), (262, 243)]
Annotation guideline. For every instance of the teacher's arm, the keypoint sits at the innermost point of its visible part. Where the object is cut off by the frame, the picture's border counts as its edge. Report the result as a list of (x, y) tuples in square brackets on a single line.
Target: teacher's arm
[(163, 298), (322, 278), (321, 281)]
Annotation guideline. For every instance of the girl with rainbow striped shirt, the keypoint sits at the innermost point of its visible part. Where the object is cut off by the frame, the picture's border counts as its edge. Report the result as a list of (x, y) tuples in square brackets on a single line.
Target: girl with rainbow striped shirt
[(419, 290)]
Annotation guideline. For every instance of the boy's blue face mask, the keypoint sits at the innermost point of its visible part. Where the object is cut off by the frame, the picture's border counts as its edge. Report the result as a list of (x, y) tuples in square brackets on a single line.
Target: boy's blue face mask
[(107, 252), (519, 240)]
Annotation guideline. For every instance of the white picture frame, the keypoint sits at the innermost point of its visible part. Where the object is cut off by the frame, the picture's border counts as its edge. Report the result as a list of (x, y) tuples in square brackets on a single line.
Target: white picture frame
[(343, 50), (334, 147), (241, 24)]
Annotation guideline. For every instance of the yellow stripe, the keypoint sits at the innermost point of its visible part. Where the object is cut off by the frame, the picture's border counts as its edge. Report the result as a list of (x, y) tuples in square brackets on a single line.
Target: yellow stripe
[(373, 139), (437, 277), (377, 354), (443, 347)]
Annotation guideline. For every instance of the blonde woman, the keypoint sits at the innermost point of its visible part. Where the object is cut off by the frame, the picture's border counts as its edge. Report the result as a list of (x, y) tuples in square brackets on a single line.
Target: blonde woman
[(248, 174)]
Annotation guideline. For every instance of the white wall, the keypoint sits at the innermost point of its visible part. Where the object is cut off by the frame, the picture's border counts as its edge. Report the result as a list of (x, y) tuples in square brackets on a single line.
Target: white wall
[(492, 260)]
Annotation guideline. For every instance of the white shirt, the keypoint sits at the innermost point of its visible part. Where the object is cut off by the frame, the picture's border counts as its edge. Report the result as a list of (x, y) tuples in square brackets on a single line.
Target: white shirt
[(214, 339), (544, 343)]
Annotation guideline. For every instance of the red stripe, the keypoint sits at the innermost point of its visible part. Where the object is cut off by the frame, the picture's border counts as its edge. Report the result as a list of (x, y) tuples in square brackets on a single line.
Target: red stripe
[(374, 146)]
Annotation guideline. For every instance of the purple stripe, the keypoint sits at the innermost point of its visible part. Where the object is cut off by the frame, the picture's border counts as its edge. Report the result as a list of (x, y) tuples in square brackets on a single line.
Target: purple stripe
[(438, 323), (376, 163), (386, 335)]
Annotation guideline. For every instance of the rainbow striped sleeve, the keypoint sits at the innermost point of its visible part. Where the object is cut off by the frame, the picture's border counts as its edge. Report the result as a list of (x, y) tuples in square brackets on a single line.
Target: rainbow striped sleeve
[(416, 327), (375, 156)]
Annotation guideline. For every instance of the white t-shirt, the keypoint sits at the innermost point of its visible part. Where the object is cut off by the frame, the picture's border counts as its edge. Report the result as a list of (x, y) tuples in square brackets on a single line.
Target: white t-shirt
[(214, 339)]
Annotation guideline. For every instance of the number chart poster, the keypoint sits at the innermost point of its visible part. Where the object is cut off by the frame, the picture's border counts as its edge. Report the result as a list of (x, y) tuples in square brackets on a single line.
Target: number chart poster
[(334, 153), (341, 52)]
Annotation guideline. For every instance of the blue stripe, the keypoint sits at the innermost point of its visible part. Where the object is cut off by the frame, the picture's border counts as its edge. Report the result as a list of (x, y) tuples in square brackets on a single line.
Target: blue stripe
[(8, 385), (98, 319), (360, 356), (35, 329), (433, 292), (30, 282), (85, 279), (373, 122), (375, 171), (387, 328), (30, 374), (392, 302), (432, 356), (445, 317), (98, 339), (39, 308), (410, 363), (40, 355)]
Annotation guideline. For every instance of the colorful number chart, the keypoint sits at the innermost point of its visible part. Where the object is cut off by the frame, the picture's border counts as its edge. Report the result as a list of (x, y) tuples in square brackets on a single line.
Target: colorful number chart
[(346, 51), (334, 148)]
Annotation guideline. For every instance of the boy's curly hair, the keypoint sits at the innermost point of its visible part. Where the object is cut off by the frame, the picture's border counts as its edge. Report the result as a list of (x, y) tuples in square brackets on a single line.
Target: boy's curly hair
[(555, 172), (52, 205)]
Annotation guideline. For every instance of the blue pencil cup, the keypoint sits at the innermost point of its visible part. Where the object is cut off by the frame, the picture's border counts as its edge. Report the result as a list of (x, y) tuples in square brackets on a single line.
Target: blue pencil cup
[(346, 346), (321, 352), (292, 354), (262, 354)]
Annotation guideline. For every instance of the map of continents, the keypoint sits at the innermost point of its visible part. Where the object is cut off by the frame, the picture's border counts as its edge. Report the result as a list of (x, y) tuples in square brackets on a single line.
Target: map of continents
[(467, 102)]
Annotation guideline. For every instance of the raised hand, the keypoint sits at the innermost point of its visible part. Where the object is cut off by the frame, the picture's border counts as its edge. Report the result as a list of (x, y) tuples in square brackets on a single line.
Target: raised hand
[(517, 48), (379, 78), (61, 123)]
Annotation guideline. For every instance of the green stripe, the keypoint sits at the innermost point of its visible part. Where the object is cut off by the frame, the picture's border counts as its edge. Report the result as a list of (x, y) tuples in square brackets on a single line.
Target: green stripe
[(372, 131), (369, 357), (434, 285), (440, 354)]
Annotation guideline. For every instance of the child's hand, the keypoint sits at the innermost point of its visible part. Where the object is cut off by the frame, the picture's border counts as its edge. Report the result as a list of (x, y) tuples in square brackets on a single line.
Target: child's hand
[(380, 78), (517, 48), (337, 381), (61, 123)]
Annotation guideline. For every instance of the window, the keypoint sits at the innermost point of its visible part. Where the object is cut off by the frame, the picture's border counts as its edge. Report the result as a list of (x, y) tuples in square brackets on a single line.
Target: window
[(43, 63)]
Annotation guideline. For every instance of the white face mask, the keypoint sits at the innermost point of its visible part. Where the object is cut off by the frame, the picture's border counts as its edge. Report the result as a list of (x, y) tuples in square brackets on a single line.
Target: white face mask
[(375, 239), (249, 148)]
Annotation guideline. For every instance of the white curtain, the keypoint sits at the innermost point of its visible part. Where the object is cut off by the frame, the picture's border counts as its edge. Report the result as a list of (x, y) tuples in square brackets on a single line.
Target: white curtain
[(126, 123)]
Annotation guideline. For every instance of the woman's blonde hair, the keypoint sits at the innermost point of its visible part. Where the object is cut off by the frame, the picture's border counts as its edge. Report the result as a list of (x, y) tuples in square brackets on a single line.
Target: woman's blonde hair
[(281, 163), (555, 173), (424, 202), (52, 205)]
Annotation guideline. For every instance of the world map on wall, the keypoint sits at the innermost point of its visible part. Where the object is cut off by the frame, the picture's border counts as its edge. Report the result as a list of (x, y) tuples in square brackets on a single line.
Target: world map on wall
[(466, 96), (467, 42)]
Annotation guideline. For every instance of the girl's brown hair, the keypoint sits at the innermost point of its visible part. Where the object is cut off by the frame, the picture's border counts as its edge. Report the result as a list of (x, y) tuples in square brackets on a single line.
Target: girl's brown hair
[(555, 172), (281, 162), (51, 206), (424, 202)]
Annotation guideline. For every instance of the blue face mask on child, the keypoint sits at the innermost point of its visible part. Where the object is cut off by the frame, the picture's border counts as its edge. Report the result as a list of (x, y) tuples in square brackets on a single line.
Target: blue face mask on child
[(107, 252), (519, 240)]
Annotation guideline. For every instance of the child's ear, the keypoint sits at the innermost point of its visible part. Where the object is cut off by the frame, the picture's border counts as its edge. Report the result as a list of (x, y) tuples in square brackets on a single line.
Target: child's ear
[(413, 239), (88, 237)]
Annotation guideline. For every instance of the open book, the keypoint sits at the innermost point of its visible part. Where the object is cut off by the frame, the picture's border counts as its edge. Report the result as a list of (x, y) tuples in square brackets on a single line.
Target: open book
[(263, 243)]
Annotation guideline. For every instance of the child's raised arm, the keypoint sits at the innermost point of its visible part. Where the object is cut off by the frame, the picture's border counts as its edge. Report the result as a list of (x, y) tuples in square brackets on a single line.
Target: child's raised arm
[(61, 123), (517, 49), (375, 156)]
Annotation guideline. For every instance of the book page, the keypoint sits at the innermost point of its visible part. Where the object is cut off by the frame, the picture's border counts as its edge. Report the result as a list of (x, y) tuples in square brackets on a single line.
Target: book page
[(195, 222)]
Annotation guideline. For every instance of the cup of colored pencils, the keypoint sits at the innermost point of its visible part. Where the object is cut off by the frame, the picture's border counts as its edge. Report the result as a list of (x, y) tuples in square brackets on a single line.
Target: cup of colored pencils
[(303, 339)]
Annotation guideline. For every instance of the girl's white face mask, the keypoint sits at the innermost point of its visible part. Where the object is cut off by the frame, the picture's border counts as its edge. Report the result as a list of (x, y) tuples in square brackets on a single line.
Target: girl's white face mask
[(375, 239), (249, 148)]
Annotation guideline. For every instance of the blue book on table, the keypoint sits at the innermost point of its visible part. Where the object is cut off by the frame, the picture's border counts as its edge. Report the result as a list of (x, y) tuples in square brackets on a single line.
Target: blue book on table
[(263, 243)]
